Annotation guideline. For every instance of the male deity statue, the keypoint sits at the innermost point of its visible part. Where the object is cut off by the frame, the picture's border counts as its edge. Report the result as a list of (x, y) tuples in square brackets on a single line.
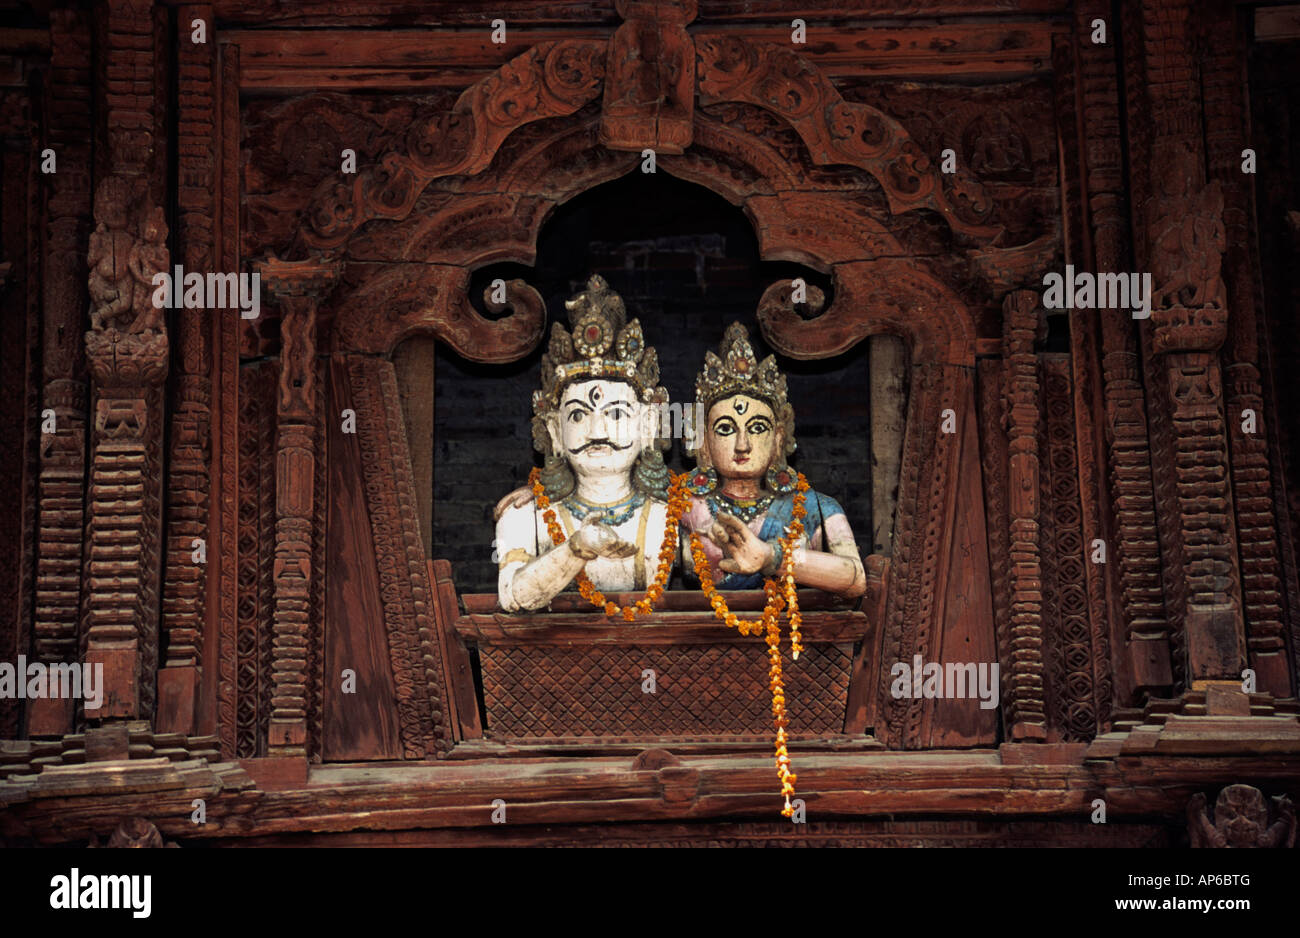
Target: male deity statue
[(743, 492), (596, 424)]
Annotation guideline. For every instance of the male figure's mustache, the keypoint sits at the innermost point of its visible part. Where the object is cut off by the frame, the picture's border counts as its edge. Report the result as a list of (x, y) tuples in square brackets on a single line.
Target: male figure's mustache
[(590, 443)]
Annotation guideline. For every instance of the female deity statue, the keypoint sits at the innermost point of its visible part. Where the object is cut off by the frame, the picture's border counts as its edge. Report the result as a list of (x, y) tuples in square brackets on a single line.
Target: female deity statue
[(596, 422), (743, 490)]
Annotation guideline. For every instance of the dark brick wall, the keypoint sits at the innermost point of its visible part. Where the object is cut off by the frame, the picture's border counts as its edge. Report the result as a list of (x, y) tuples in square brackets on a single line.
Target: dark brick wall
[(686, 264)]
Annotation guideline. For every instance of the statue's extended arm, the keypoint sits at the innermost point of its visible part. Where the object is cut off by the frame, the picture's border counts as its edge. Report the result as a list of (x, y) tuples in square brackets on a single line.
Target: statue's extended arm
[(533, 584), (528, 581), (837, 571)]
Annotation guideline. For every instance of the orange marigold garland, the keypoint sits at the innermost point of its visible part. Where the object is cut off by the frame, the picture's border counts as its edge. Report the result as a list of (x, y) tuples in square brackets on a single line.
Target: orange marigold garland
[(678, 502), (780, 598), (770, 623)]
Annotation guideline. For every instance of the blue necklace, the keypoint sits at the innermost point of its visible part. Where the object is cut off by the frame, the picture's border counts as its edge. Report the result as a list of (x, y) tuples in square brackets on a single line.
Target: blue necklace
[(615, 514)]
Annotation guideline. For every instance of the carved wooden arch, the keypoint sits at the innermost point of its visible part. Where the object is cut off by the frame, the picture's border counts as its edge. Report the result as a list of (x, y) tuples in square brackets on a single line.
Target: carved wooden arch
[(876, 291), (557, 79), (499, 216)]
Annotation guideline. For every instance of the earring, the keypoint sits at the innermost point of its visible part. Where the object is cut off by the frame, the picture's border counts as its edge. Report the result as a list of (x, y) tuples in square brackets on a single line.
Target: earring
[(651, 476), (557, 478), (703, 481), (780, 480)]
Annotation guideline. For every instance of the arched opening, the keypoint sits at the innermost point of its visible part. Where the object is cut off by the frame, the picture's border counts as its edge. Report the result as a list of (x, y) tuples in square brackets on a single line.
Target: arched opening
[(686, 263)]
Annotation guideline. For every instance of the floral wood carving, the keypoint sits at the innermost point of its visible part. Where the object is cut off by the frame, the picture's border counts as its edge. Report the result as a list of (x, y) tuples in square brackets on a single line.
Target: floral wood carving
[(552, 79), (837, 131)]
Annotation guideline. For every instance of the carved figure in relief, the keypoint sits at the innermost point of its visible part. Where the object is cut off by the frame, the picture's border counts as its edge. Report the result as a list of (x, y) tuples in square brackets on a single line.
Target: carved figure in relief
[(121, 264), (108, 257), (743, 490), (596, 423), (1241, 820), (148, 256), (1188, 249)]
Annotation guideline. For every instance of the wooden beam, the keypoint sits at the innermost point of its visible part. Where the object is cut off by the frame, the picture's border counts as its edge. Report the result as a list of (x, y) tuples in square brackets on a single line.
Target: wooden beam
[(339, 58), (556, 12)]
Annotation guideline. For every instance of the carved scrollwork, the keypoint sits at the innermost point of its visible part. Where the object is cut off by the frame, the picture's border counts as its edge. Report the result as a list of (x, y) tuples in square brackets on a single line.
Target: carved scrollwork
[(406, 299), (552, 79), (886, 295), (838, 131)]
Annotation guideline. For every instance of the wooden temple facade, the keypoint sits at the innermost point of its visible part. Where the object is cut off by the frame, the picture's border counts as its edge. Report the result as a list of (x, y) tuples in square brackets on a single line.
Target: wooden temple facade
[(1101, 501)]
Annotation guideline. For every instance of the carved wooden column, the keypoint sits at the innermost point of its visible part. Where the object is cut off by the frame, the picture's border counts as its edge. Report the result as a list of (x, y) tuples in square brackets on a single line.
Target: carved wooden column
[(1183, 243), (1024, 695), (1136, 548), (62, 485), (298, 286), (127, 352), (1252, 484), (187, 479)]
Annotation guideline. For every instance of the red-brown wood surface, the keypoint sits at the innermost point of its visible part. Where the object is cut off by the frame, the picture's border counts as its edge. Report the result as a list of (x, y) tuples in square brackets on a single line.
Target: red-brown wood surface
[(1099, 517)]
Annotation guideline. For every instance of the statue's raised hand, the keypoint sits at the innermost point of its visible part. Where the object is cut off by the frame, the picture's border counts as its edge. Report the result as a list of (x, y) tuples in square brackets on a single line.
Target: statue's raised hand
[(597, 539), (743, 551)]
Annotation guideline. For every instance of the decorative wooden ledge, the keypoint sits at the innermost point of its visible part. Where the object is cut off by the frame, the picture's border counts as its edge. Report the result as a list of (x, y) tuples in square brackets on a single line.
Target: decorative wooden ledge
[(571, 677)]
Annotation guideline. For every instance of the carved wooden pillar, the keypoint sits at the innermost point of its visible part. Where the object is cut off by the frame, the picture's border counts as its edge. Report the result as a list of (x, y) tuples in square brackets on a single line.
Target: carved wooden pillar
[(62, 486), (1182, 223), (187, 479), (1252, 484), (1024, 696), (127, 352), (298, 286), (1140, 608)]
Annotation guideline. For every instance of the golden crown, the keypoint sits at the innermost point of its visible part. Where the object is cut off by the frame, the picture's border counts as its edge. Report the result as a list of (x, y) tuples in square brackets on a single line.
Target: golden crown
[(738, 371), (602, 344)]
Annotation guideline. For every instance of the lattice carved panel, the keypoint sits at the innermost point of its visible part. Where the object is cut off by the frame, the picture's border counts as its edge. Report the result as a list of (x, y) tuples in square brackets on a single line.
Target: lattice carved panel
[(550, 691)]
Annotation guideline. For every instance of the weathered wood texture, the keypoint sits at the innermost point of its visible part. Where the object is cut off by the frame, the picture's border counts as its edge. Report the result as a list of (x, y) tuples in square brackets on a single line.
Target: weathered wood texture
[(322, 629)]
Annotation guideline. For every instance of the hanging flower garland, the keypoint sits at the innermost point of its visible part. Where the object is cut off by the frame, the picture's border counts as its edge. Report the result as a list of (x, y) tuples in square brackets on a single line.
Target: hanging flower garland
[(678, 502), (779, 597)]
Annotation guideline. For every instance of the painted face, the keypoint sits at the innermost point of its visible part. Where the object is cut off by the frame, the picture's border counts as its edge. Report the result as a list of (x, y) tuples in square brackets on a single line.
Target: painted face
[(742, 437), (601, 426)]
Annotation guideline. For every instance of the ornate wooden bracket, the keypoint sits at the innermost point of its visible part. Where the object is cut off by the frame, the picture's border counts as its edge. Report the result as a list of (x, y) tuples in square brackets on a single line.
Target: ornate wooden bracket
[(650, 78), (431, 298), (872, 296)]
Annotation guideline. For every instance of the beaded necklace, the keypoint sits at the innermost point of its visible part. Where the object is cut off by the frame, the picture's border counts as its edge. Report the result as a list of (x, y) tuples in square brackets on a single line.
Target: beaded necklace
[(746, 509), (678, 502), (615, 514)]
